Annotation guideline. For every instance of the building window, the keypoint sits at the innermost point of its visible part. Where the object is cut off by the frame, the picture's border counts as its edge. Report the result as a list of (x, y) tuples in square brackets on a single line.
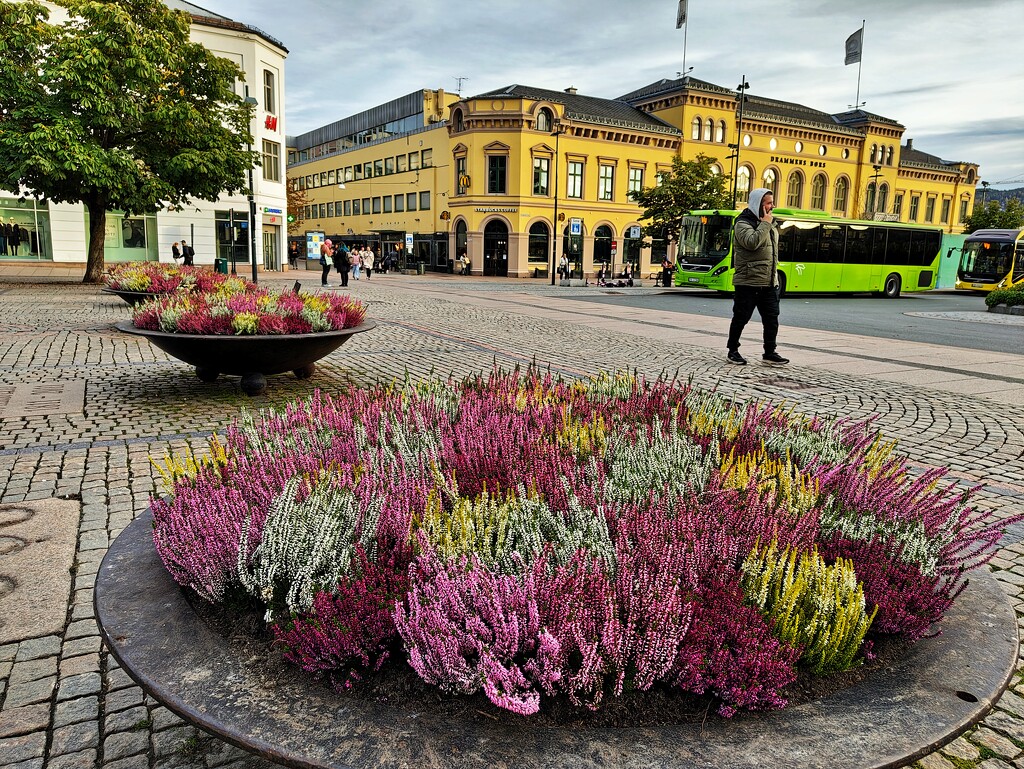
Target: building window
[(915, 203), (357, 173), (366, 205), (378, 167), (389, 166), (874, 152), (695, 129), (410, 201), (399, 203), (897, 205), (386, 200), (794, 190), (720, 132), (636, 179), (888, 156), (355, 208), (348, 208), (414, 161), (376, 206), (541, 167), (883, 197), (842, 193), (929, 210), (709, 130), (606, 182), (537, 248), (869, 198), (330, 210), (330, 177), (367, 170), (963, 211), (460, 176), (497, 174), (271, 161), (798, 147), (945, 210), (323, 210), (459, 120), (544, 120), (742, 186), (770, 180), (574, 182), (818, 187), (428, 159), (269, 100)]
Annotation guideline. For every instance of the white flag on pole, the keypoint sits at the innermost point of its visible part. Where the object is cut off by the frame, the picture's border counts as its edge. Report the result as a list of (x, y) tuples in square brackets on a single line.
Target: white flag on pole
[(681, 14), (854, 46)]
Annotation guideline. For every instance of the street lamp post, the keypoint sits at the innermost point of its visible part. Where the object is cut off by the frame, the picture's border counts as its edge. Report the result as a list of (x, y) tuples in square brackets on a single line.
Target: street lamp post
[(559, 130), (874, 189), (740, 97), (984, 194), (252, 201)]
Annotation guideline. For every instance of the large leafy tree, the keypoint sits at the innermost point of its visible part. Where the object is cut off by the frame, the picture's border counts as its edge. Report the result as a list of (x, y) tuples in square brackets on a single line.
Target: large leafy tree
[(995, 217), (690, 185), (116, 109)]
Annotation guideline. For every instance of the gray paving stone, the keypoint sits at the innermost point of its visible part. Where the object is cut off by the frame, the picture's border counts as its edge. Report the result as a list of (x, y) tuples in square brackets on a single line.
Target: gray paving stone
[(75, 738), (24, 720), (32, 670), (83, 760), (29, 763), (180, 740), (122, 700), (132, 719), (219, 753), (124, 744), (164, 719), (118, 679), (995, 742), (90, 645), (86, 663), (76, 710), (30, 693), (79, 685), (135, 762), (81, 629), (935, 761), (23, 747), (48, 646)]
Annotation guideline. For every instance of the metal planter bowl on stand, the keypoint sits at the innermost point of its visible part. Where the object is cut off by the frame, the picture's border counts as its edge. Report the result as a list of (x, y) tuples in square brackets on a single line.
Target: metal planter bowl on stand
[(132, 297), (252, 357)]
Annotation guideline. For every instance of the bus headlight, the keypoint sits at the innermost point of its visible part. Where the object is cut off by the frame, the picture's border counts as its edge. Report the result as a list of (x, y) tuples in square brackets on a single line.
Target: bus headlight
[(719, 271)]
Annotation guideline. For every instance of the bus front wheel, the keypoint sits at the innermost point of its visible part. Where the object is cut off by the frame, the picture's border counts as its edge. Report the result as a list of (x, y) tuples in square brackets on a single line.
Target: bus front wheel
[(893, 284)]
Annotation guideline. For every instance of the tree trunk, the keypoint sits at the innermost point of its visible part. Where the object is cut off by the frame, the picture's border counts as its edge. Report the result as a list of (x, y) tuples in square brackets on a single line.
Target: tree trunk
[(97, 235)]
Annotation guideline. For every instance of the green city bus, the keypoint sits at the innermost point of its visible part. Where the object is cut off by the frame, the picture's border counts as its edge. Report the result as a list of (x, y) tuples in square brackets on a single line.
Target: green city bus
[(991, 259), (816, 253)]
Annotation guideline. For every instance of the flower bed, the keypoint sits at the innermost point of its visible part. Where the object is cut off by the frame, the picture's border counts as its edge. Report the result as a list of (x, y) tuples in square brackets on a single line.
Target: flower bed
[(1011, 297), (249, 310), (157, 278), (539, 541)]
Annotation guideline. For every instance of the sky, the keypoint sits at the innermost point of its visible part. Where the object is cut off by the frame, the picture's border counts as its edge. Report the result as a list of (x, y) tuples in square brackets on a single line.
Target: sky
[(950, 71)]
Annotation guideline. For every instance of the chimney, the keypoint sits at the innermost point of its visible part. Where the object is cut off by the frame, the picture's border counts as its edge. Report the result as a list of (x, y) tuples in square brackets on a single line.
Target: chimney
[(571, 89), (910, 144)]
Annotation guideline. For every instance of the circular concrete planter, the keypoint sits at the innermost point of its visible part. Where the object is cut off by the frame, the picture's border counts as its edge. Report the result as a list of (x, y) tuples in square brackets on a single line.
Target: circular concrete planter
[(132, 297), (252, 357), (894, 716)]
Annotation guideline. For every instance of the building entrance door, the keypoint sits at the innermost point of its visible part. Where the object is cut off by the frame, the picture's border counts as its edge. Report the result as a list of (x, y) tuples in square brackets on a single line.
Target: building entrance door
[(270, 258), (496, 249)]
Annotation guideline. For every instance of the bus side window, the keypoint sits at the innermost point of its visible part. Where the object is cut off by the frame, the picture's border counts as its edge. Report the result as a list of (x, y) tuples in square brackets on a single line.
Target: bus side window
[(786, 244), (830, 248), (898, 251), (858, 245), (1018, 267), (805, 245), (879, 237)]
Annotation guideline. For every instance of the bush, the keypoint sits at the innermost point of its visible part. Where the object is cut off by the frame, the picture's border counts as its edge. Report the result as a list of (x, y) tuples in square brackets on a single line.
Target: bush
[(530, 538), (1011, 297)]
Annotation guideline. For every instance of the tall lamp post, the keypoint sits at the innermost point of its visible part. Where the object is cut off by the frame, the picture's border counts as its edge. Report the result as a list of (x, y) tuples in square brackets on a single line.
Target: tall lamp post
[(741, 96), (559, 130), (873, 189), (252, 201), (984, 194)]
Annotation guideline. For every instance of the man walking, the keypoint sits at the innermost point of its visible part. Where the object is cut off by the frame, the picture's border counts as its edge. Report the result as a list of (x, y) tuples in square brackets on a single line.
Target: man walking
[(756, 262), (187, 253)]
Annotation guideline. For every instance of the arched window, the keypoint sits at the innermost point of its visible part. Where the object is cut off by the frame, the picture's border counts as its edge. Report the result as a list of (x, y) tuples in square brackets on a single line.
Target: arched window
[(795, 190), (709, 130), (544, 120), (496, 248), (888, 156), (539, 248), (874, 152), (742, 186), (883, 197), (459, 120), (818, 187), (715, 169), (603, 245), (695, 129), (461, 238), (770, 179), (842, 193), (720, 133), (869, 198)]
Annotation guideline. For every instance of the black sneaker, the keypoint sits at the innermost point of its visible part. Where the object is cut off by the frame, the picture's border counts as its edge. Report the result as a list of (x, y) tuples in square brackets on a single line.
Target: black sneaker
[(735, 357), (774, 359)]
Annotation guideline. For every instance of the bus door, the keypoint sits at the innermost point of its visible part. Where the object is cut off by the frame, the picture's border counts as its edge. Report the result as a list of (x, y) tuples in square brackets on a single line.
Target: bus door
[(1017, 278)]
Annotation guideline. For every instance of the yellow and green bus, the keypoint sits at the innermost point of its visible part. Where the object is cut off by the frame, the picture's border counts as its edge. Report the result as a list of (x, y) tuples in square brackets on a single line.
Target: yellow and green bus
[(817, 253), (991, 259)]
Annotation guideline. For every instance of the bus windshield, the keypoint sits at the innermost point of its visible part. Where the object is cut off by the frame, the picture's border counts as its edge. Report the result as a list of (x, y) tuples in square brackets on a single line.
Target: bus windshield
[(705, 239), (986, 262)]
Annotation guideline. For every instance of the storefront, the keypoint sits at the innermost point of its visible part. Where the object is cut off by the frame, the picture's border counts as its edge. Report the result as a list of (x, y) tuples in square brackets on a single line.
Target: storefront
[(25, 230), (128, 238)]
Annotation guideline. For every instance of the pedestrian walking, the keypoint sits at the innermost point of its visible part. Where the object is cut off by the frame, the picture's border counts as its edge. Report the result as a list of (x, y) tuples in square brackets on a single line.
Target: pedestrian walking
[(293, 255), (357, 262), (187, 253), (563, 267), (341, 263), (326, 252), (368, 261), (175, 252), (756, 280)]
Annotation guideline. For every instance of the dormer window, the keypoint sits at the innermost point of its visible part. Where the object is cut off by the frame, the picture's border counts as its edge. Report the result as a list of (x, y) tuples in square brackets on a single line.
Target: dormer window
[(459, 121), (544, 120)]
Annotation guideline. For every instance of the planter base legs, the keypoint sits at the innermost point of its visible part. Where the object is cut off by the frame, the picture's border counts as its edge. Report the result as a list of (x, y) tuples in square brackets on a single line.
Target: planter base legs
[(305, 372), (207, 374), (254, 384)]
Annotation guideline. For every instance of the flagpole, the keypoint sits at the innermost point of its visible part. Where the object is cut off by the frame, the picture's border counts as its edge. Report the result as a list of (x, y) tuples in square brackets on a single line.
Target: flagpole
[(860, 63), (685, 28)]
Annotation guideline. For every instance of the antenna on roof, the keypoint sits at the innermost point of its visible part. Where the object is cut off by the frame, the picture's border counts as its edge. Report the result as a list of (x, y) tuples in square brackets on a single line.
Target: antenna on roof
[(459, 80), (856, 106)]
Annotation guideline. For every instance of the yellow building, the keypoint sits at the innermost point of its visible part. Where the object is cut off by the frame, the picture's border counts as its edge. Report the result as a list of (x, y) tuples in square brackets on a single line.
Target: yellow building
[(430, 176), (849, 164)]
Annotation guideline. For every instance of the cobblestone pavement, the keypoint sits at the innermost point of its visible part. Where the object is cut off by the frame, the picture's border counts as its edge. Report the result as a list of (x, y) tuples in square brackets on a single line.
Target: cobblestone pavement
[(65, 704)]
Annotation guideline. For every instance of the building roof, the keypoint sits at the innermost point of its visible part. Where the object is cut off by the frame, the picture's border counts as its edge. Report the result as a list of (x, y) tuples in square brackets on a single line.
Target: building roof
[(914, 157), (666, 85), (588, 109), (207, 18)]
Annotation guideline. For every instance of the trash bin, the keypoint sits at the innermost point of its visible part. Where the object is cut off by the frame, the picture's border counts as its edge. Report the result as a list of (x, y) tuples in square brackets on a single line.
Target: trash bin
[(220, 265), (421, 268)]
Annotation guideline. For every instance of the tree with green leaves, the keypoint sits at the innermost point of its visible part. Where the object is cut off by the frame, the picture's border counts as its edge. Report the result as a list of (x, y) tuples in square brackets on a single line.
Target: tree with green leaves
[(117, 109), (690, 185), (995, 217)]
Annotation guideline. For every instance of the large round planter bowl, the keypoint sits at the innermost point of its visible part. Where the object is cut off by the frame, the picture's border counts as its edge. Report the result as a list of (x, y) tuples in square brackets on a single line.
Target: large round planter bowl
[(132, 297), (254, 357), (895, 715)]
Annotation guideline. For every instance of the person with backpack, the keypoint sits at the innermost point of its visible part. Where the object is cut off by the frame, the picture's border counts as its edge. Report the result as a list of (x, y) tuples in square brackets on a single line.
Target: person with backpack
[(187, 253), (341, 263)]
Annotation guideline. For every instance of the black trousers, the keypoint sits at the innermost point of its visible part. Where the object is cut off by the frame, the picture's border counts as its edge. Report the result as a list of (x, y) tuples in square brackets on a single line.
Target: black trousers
[(765, 299), (344, 275), (325, 273)]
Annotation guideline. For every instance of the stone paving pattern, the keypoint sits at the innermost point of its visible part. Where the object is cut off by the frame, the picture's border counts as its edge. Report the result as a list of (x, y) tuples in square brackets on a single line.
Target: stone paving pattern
[(64, 702)]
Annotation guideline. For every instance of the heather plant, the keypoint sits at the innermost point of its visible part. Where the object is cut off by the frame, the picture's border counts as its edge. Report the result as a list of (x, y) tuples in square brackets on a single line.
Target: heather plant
[(530, 538), (815, 607), (158, 278)]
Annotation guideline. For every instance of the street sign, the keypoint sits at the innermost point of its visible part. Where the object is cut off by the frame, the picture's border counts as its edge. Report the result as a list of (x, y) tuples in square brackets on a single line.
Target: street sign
[(615, 247), (408, 242), (575, 226), (634, 232)]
